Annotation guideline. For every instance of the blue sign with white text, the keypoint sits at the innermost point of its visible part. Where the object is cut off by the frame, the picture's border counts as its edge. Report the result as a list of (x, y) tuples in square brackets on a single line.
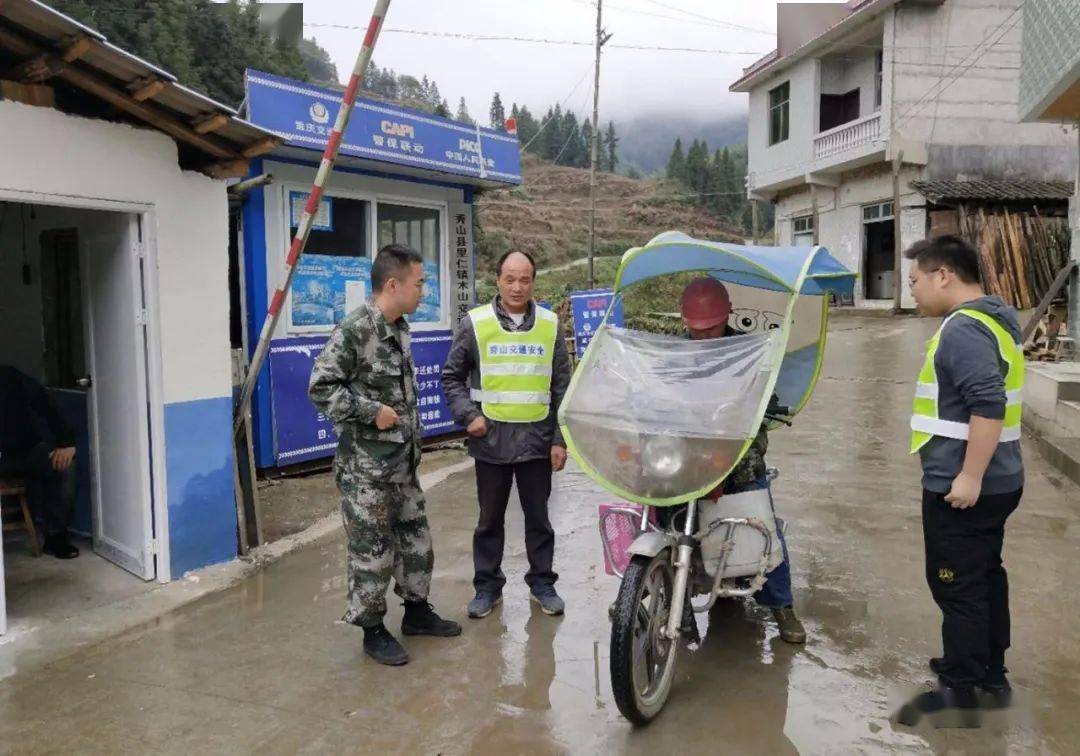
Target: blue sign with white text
[(302, 434), (303, 114), (589, 308)]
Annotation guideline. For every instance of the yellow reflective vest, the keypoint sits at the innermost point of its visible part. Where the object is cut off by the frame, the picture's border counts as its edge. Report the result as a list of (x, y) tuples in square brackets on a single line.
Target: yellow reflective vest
[(925, 421), (515, 366)]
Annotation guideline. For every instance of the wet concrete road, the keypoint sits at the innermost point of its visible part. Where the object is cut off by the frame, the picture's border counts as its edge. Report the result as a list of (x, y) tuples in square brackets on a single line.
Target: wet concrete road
[(264, 668)]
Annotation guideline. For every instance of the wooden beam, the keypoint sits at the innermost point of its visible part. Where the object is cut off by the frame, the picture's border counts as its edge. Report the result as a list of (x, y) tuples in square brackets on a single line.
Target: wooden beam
[(260, 148), (120, 99), (210, 122), (1044, 305), (78, 48), (143, 89), (33, 71), (226, 169)]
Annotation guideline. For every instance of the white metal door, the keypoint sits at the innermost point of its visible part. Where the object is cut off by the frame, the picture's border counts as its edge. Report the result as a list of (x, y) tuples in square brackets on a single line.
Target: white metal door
[(119, 420)]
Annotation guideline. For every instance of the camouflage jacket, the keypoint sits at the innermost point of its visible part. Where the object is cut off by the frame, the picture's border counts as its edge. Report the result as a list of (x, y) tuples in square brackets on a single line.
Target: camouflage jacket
[(365, 364)]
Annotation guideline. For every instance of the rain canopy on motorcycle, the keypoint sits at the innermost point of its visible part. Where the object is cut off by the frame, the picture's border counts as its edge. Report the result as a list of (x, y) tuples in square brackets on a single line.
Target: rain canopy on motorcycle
[(660, 419)]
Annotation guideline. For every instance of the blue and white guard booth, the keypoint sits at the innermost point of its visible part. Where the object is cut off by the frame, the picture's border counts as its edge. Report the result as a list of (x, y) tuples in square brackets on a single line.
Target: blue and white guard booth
[(402, 176)]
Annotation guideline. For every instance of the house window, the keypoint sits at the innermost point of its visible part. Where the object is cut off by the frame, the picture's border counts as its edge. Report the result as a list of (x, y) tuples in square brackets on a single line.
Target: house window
[(778, 113), (802, 231), (879, 212), (878, 66), (838, 109), (416, 227)]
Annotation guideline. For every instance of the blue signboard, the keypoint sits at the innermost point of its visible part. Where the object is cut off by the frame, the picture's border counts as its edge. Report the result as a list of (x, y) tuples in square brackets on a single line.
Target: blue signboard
[(302, 434), (589, 308), (304, 114)]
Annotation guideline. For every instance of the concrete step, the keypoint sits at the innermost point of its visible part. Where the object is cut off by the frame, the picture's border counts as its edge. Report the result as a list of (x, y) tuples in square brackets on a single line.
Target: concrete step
[(1068, 418), (1063, 453)]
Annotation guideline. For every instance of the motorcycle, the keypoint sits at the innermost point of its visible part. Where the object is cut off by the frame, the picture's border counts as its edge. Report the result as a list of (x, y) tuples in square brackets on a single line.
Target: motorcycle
[(661, 421)]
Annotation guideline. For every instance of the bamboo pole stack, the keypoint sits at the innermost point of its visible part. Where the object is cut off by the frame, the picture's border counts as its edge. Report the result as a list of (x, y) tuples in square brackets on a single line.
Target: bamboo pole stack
[(1020, 253)]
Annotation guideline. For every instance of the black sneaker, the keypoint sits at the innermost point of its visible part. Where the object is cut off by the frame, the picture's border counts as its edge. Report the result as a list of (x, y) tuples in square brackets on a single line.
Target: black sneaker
[(948, 707), (483, 603), (548, 599), (420, 619), (383, 647), (60, 547)]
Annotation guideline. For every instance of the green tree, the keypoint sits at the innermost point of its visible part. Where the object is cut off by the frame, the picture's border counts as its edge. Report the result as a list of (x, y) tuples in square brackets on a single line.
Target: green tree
[(553, 137), (497, 113), (729, 203), (463, 113), (610, 142), (676, 165), (570, 150), (527, 129), (586, 146), (320, 68), (206, 45), (697, 158)]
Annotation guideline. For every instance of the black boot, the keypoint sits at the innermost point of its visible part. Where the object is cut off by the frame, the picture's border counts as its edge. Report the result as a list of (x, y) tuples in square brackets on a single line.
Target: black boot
[(384, 648), (949, 706), (60, 546), (421, 619), (997, 689)]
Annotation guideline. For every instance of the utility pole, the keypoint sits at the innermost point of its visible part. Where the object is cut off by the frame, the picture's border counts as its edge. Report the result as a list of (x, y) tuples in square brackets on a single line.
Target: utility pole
[(601, 38), (898, 245)]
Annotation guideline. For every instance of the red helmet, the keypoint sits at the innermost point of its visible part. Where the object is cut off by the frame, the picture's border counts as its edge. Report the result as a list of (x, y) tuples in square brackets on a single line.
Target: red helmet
[(705, 304)]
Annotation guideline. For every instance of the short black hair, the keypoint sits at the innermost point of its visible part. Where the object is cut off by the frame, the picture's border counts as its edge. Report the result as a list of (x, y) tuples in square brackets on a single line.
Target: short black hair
[(391, 262), (947, 251), (506, 255)]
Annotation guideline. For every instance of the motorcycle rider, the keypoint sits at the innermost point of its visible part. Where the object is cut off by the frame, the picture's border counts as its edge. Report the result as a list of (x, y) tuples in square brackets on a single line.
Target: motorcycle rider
[(705, 306)]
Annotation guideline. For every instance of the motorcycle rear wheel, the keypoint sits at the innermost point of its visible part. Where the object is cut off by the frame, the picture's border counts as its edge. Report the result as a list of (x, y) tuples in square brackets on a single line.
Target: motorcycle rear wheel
[(642, 660)]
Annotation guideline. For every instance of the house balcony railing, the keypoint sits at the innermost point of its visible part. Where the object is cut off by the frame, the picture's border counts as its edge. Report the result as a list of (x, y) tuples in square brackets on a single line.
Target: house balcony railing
[(847, 136)]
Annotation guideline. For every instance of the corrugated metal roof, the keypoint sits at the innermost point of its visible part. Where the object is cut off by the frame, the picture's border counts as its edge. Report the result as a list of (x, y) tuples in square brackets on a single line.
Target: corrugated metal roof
[(994, 190), (32, 25)]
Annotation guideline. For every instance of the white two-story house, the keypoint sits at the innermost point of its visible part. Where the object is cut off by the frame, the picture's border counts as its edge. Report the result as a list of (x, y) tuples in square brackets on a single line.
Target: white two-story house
[(854, 89)]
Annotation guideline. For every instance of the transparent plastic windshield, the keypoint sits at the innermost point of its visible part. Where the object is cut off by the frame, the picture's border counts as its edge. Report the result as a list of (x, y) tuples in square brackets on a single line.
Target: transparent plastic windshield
[(658, 417)]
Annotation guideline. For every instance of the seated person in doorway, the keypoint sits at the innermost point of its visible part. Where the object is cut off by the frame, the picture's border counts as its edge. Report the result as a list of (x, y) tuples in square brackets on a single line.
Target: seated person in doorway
[(705, 308), (38, 446)]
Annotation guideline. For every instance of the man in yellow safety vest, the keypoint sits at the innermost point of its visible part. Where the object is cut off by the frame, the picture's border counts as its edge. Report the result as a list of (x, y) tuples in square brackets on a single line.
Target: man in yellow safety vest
[(504, 379), (966, 427)]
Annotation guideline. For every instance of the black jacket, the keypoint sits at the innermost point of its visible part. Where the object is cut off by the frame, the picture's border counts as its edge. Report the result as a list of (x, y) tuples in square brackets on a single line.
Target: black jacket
[(27, 417), (505, 443)]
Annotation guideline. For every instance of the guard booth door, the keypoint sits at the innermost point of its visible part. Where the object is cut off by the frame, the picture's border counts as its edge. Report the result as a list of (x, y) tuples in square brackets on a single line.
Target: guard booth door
[(116, 338)]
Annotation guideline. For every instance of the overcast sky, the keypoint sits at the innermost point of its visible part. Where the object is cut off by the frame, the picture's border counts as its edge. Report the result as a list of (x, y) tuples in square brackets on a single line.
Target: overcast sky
[(633, 82)]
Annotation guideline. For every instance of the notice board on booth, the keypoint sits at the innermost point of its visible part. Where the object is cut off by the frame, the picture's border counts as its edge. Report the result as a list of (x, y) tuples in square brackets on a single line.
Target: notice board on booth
[(303, 434)]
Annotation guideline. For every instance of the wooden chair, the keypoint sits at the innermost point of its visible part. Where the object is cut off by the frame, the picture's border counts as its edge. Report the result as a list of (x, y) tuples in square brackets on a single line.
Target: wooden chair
[(17, 488)]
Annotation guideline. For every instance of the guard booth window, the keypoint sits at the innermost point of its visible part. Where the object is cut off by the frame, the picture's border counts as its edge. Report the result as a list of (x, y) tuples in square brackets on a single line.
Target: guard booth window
[(334, 274), (419, 228)]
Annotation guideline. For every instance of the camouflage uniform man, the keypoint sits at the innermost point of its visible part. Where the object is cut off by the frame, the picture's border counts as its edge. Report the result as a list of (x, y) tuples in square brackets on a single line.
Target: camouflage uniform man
[(364, 381), (705, 309)]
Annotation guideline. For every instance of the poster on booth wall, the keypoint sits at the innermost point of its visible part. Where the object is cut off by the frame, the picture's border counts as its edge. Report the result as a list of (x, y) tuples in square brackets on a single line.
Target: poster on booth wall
[(589, 308), (429, 310), (320, 288), (302, 434)]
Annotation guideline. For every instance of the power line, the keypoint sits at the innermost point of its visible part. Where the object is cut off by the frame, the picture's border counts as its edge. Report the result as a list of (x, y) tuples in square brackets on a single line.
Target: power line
[(538, 40), (941, 87), (710, 18), (563, 102), (635, 11)]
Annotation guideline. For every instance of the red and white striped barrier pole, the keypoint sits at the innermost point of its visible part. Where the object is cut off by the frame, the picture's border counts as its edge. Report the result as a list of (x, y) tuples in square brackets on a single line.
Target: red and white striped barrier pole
[(333, 144)]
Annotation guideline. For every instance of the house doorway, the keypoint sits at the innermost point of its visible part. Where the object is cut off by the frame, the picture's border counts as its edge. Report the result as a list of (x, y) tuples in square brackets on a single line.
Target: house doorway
[(879, 254), (77, 294)]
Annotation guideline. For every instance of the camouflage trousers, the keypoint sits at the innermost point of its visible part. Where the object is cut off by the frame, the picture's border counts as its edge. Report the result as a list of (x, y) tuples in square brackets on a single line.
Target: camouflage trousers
[(388, 537)]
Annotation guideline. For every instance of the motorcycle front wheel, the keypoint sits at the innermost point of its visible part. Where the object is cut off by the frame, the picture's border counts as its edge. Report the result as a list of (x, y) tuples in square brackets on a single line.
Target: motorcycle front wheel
[(642, 659)]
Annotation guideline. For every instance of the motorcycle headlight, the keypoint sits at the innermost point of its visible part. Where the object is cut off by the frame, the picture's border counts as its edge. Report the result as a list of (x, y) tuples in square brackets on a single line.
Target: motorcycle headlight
[(663, 457)]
